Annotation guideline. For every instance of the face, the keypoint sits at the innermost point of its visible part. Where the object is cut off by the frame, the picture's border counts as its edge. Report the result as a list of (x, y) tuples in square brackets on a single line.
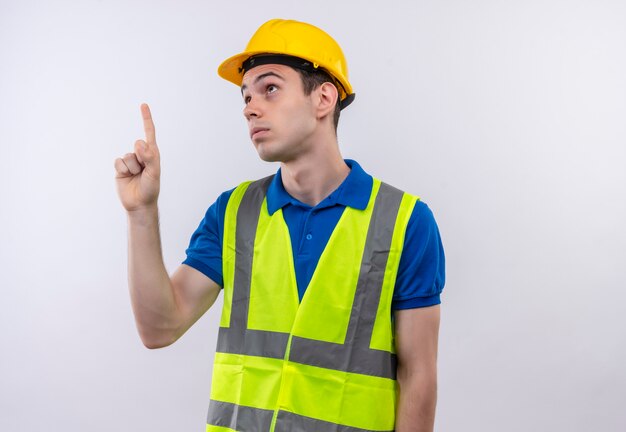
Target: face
[(281, 118)]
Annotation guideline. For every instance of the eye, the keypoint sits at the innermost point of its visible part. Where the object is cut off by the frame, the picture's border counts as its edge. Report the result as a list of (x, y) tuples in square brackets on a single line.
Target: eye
[(271, 88), (246, 100)]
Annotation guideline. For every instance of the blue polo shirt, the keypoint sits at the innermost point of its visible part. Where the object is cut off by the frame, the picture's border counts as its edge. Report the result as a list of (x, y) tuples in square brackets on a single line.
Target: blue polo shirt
[(421, 273)]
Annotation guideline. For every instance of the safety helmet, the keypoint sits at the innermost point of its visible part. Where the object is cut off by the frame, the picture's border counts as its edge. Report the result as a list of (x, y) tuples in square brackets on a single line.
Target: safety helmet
[(295, 44)]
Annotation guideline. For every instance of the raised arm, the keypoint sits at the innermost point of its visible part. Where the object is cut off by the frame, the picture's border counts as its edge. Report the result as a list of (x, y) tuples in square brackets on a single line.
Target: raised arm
[(417, 334), (164, 307)]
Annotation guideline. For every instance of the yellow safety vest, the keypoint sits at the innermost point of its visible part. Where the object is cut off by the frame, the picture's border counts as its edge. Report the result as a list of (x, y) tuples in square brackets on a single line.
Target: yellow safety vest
[(327, 363)]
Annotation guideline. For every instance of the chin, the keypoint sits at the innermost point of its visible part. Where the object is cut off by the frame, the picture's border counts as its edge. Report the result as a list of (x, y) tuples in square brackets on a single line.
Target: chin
[(266, 154)]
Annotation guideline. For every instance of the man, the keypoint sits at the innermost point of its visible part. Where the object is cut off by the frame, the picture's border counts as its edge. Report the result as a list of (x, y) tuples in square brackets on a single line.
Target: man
[(331, 277)]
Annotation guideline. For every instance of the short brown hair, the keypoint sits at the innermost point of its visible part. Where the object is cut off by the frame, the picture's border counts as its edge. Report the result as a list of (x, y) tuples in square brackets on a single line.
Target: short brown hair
[(312, 80)]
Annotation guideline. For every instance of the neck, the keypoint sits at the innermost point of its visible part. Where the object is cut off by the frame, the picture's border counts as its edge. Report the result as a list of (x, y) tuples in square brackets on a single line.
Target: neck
[(313, 176)]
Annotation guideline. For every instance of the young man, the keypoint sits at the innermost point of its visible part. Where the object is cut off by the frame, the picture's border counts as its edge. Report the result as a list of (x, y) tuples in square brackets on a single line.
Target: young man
[(331, 277)]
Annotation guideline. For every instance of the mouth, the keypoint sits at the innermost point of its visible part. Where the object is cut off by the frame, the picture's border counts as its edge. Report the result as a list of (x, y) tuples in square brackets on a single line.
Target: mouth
[(258, 132)]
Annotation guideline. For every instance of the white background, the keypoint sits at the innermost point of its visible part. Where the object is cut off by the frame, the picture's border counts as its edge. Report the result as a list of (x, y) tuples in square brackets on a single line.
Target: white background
[(507, 118)]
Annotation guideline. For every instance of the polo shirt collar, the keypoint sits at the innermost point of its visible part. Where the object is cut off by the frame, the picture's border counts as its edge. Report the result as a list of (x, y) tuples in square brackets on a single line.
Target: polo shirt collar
[(354, 191)]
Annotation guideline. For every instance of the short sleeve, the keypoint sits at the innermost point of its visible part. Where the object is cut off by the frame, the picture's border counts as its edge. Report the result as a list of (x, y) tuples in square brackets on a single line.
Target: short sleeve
[(421, 272), (205, 247)]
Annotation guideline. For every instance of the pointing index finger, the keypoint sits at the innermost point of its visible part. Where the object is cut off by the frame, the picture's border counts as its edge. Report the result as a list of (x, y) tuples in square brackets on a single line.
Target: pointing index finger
[(148, 125)]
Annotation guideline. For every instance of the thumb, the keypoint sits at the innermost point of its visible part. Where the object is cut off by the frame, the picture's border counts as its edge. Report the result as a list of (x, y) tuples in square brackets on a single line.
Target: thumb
[(148, 157), (144, 154)]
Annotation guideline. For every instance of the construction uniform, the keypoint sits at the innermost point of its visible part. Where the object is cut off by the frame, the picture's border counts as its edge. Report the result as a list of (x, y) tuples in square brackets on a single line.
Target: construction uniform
[(306, 339)]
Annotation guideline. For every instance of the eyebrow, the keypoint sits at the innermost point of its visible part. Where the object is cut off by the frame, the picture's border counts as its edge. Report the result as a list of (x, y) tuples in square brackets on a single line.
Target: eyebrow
[(260, 77)]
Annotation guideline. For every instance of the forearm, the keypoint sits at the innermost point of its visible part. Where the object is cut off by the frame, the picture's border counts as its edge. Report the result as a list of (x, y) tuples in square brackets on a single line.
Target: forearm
[(151, 292), (417, 401)]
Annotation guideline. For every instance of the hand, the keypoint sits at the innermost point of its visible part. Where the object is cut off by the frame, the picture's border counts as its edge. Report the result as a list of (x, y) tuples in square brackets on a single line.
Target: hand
[(138, 174)]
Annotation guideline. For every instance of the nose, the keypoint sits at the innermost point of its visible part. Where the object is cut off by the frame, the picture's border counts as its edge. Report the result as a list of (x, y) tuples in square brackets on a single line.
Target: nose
[(251, 109)]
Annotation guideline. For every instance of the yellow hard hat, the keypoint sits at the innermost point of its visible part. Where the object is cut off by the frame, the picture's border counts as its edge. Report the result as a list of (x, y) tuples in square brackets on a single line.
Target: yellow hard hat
[(295, 44)]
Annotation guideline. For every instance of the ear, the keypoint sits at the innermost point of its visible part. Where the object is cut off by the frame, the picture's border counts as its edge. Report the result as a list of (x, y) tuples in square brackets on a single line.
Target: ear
[(327, 99)]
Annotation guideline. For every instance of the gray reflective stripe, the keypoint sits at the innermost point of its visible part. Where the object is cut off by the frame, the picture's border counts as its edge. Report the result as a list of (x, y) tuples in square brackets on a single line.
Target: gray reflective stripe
[(355, 354), (235, 339), (239, 417), (350, 357), (247, 221), (290, 422), (252, 342)]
